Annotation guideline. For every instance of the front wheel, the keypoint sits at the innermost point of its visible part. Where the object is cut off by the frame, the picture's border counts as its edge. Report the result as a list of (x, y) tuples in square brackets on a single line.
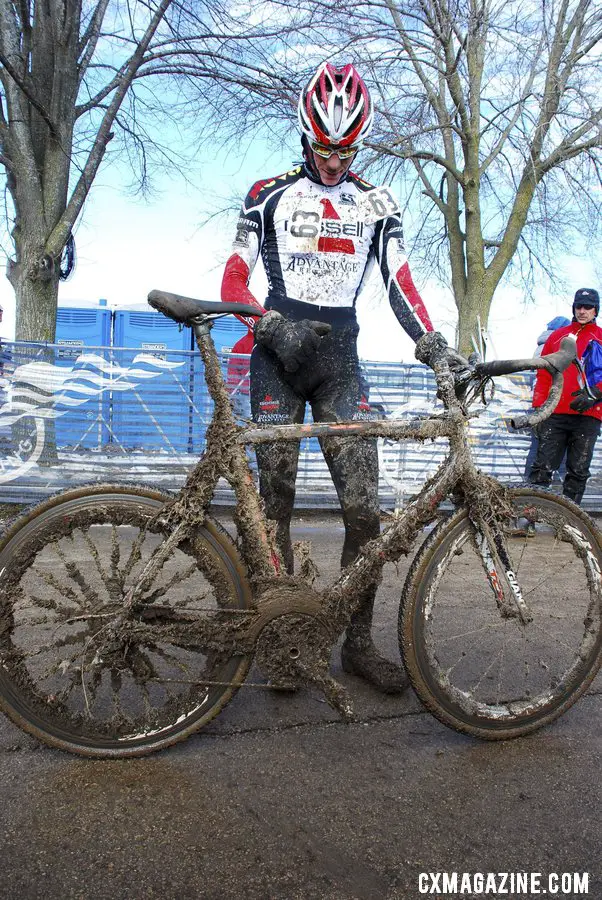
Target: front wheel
[(491, 675), (65, 568)]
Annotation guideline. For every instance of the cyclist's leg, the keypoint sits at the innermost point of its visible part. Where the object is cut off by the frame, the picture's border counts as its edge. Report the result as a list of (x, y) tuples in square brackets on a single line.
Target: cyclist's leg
[(342, 395), (583, 434), (532, 454), (274, 401), (553, 441), (353, 465)]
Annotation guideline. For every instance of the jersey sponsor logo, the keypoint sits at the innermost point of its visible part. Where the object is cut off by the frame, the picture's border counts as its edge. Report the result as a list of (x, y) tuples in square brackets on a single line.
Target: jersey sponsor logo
[(329, 244), (241, 238), (313, 225), (243, 229), (272, 419), (269, 405), (245, 222), (350, 229), (315, 265), (303, 225)]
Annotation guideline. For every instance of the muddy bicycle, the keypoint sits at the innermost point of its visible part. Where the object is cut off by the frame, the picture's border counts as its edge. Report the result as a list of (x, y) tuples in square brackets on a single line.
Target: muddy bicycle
[(129, 618)]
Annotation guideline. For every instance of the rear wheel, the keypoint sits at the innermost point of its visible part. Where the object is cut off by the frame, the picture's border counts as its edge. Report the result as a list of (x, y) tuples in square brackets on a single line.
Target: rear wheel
[(495, 677), (65, 568)]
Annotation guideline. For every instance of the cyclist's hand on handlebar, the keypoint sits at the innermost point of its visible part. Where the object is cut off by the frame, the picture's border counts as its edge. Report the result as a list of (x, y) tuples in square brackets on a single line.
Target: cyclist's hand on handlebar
[(461, 370), (433, 348), (294, 343), (585, 399)]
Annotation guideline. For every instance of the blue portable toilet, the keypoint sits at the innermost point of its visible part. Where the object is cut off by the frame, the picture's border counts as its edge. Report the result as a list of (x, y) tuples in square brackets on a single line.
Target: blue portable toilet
[(83, 401), (225, 333), (151, 392)]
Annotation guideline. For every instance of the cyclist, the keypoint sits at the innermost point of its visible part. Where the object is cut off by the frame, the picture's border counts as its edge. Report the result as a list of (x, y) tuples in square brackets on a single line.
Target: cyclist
[(318, 228), (574, 426)]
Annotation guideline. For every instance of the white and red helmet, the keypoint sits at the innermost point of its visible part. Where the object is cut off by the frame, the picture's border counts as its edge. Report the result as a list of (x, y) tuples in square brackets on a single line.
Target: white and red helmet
[(335, 107)]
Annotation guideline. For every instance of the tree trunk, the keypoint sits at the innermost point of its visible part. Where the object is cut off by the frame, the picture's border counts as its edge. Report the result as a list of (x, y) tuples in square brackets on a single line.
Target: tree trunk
[(472, 308), (35, 279)]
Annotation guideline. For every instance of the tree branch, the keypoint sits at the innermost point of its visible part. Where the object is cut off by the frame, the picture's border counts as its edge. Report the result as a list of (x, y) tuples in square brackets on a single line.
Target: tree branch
[(426, 155), (61, 232), (21, 83)]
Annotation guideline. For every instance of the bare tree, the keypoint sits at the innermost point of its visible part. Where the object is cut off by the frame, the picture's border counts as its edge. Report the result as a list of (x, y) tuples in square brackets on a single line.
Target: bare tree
[(76, 75), (493, 105), (496, 106)]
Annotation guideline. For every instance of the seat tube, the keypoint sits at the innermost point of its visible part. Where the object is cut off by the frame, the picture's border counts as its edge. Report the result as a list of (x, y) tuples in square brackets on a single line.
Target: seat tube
[(257, 549), (213, 371)]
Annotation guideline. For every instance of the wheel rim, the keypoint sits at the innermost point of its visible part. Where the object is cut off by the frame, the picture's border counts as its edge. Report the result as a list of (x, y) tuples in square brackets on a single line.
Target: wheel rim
[(56, 608), (499, 674)]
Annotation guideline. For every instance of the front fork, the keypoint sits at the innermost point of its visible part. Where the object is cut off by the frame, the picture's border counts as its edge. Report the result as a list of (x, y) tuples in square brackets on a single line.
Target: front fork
[(490, 542)]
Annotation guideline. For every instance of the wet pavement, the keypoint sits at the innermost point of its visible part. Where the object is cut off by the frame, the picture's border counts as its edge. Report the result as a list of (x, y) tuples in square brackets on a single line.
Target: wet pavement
[(279, 799)]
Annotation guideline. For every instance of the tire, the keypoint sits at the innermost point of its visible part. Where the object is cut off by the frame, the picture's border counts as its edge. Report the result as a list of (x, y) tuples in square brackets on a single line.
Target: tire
[(64, 568), (494, 677)]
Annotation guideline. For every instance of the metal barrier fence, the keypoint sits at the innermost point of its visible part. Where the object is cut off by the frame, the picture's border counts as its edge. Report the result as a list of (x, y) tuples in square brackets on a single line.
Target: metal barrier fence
[(121, 415)]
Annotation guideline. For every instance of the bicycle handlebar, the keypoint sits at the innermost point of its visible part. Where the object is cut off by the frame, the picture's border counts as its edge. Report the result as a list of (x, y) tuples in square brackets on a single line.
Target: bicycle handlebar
[(554, 363)]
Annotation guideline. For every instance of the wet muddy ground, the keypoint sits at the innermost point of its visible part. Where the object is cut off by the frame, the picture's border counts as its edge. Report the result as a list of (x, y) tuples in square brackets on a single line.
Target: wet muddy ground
[(279, 799)]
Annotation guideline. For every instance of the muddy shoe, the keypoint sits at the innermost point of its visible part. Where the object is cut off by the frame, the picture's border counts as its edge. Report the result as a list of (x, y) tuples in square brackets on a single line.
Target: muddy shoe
[(367, 663)]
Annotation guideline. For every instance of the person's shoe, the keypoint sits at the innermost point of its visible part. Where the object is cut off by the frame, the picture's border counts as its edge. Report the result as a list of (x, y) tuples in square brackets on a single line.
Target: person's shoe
[(527, 530), (368, 664)]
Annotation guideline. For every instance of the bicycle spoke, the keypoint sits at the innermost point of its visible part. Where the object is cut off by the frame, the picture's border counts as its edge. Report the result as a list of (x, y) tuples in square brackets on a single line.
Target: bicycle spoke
[(115, 553), (177, 578), (93, 550), (57, 644), (135, 554), (172, 659), (462, 634), (499, 676), (95, 673), (62, 588), (187, 602), (77, 576)]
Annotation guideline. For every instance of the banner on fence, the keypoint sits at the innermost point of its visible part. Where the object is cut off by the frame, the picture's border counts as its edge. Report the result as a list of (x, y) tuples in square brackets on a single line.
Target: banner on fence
[(117, 414)]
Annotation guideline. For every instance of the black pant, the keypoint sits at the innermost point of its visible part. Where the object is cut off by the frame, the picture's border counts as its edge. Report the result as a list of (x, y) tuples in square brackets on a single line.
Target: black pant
[(332, 384), (574, 435), (531, 455)]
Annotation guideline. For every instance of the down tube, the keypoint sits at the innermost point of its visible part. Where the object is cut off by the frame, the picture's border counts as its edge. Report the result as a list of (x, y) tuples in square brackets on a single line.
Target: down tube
[(395, 541)]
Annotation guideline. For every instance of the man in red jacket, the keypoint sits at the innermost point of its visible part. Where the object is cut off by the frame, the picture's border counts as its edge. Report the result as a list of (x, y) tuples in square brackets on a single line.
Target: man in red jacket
[(574, 426)]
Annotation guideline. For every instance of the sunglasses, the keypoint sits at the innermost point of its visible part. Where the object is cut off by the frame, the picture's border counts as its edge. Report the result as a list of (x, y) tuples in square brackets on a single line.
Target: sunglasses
[(584, 306), (342, 152)]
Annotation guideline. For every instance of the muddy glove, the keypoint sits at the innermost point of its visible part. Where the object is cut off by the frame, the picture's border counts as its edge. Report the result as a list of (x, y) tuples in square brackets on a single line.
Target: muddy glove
[(585, 398), (461, 370), (294, 343), (432, 347)]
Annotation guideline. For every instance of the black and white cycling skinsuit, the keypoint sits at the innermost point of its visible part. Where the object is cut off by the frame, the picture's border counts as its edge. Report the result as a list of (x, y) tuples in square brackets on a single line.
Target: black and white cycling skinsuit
[(317, 244)]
